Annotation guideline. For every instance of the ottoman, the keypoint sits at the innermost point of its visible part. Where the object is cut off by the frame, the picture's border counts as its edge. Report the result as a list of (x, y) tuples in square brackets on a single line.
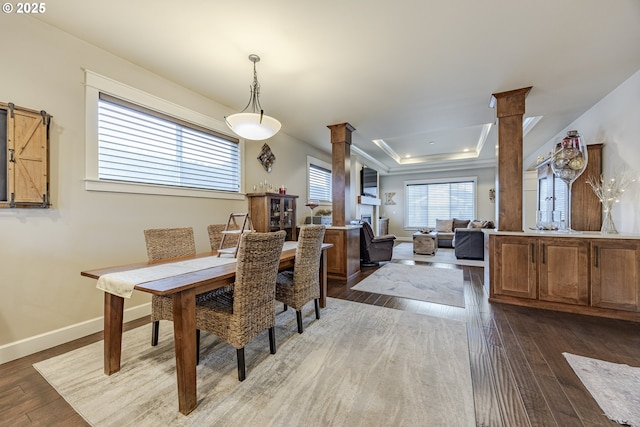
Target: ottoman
[(425, 244)]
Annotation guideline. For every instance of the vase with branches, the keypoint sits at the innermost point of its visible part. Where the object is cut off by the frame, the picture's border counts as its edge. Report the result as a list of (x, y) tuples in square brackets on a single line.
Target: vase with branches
[(609, 191)]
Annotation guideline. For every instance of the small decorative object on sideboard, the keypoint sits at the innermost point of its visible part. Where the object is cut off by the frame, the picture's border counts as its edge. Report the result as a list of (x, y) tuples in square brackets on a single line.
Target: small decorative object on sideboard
[(568, 162), (609, 191)]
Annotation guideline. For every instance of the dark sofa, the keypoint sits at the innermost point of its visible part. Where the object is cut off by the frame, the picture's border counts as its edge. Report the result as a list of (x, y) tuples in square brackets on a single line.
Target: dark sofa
[(468, 243)]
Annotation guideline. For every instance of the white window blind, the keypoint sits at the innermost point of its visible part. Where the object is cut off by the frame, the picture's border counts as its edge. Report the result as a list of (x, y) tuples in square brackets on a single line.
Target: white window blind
[(139, 145), (427, 201), (319, 183)]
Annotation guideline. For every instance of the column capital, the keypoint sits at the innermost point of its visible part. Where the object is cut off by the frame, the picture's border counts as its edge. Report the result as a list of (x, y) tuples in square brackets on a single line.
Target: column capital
[(509, 103), (341, 133)]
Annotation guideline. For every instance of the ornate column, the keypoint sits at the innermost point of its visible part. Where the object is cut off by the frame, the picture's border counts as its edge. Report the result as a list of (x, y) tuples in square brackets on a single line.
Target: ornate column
[(509, 188)]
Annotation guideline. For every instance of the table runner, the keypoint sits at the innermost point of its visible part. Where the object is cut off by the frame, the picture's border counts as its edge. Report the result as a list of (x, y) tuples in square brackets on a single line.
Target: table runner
[(123, 282)]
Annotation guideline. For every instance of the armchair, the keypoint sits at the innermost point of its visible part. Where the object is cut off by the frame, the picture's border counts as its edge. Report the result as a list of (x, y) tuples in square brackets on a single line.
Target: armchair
[(375, 249)]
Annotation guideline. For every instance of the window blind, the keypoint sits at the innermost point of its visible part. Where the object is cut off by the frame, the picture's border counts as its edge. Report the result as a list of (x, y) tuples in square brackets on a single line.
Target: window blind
[(319, 183), (427, 201), (139, 145)]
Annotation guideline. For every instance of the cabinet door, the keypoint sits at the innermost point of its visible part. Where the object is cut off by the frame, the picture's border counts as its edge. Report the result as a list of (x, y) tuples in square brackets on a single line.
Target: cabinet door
[(564, 270), (515, 267), (615, 274), (337, 255)]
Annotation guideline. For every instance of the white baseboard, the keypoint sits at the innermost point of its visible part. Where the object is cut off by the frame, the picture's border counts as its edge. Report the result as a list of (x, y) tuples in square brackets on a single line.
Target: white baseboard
[(27, 346)]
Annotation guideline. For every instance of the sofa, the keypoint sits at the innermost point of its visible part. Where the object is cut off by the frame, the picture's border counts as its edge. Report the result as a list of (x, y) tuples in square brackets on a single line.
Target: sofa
[(462, 234)]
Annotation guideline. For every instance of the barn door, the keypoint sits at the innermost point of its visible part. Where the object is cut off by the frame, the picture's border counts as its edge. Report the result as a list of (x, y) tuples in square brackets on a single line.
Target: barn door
[(27, 157)]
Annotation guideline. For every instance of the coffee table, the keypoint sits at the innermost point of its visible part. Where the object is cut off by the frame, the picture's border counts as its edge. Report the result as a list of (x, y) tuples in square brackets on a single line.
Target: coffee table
[(425, 243)]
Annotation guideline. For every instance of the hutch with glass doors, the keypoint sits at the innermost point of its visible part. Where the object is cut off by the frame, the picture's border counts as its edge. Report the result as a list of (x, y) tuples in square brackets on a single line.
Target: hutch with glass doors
[(273, 212)]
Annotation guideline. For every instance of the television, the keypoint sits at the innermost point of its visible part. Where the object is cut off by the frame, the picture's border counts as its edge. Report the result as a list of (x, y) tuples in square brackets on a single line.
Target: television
[(369, 182)]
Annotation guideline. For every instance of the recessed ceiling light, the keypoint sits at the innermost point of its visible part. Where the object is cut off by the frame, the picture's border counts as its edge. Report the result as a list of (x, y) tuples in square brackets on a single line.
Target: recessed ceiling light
[(408, 156), (466, 150), (431, 142)]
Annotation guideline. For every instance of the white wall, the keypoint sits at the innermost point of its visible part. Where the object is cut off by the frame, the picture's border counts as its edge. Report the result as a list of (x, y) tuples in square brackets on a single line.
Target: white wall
[(613, 121), (42, 251), (395, 183)]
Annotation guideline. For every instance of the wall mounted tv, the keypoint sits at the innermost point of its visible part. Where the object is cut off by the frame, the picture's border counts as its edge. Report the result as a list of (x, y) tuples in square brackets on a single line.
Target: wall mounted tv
[(369, 182)]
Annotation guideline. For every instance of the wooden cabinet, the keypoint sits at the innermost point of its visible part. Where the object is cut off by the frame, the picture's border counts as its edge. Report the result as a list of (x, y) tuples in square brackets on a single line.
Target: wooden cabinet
[(563, 266), (597, 276), (273, 212), (515, 268), (24, 157), (343, 259), (615, 274)]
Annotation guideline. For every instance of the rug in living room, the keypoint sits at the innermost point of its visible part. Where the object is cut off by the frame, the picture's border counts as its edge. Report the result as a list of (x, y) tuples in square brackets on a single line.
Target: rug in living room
[(358, 365), (404, 250), (431, 284)]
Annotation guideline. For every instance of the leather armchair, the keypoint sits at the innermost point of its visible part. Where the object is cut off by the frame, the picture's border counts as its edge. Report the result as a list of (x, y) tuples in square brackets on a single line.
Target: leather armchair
[(374, 249)]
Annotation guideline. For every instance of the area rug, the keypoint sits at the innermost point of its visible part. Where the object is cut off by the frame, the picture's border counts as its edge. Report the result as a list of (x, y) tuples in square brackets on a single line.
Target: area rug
[(359, 365), (616, 387), (432, 284), (442, 255)]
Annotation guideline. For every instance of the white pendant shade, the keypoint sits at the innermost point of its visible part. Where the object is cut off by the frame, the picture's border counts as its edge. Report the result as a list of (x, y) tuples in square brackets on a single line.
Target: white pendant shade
[(248, 125)]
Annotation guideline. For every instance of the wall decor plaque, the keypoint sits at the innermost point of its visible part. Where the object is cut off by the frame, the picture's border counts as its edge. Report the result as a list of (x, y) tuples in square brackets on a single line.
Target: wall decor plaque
[(266, 157)]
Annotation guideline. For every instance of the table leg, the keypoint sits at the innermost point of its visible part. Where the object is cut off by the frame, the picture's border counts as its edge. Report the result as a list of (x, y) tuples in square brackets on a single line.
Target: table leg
[(184, 334), (323, 278), (113, 314)]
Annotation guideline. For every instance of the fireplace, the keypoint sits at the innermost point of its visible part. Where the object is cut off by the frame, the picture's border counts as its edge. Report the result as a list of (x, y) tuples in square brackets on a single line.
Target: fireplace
[(366, 218)]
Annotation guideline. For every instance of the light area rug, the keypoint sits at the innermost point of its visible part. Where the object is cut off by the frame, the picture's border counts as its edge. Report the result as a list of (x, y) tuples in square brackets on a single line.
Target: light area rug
[(432, 284), (442, 255), (616, 387), (359, 365)]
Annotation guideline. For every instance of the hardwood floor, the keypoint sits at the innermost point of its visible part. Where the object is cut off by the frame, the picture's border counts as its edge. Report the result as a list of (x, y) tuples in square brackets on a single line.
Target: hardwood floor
[(519, 375)]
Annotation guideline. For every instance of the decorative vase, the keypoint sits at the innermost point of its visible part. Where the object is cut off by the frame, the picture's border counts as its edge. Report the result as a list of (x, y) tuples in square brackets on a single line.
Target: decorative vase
[(569, 160), (608, 227)]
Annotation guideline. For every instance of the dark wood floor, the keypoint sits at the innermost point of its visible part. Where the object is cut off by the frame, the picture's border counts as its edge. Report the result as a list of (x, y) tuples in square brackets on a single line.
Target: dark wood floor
[(519, 375)]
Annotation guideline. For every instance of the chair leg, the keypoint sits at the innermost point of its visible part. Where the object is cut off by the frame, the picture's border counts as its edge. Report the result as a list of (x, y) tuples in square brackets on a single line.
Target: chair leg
[(317, 304), (272, 340), (285, 307), (155, 330), (299, 318), (197, 346), (241, 369)]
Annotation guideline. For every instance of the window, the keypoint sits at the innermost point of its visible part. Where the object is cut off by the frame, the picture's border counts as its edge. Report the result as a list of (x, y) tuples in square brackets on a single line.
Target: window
[(139, 143), (319, 179), (426, 201)]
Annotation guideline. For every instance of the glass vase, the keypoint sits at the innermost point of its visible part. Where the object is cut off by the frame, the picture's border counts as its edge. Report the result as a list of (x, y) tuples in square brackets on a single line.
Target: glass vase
[(569, 160), (608, 227)]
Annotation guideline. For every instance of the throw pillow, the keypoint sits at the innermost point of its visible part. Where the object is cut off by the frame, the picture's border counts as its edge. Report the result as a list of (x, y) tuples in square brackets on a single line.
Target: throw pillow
[(476, 224), (460, 223), (444, 225)]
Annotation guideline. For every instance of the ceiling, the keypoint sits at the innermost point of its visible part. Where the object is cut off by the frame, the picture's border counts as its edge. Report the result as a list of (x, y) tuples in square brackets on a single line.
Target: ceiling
[(414, 77)]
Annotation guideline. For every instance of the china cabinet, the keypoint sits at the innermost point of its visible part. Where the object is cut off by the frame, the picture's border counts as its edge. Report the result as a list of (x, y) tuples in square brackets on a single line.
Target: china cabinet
[(273, 212)]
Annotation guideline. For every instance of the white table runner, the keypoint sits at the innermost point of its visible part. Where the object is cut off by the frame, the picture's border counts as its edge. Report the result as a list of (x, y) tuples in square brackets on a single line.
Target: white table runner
[(123, 282)]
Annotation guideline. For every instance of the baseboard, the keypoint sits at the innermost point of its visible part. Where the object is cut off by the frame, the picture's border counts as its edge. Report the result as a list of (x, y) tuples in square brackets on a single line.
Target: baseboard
[(27, 346)]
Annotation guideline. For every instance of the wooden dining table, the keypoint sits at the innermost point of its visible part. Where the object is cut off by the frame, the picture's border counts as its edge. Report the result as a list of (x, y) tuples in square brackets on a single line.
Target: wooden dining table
[(183, 289)]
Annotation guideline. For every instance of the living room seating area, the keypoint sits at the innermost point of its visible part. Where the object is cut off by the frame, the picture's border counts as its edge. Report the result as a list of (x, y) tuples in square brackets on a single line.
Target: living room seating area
[(462, 234)]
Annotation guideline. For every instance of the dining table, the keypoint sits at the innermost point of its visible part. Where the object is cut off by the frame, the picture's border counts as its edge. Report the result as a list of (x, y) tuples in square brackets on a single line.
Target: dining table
[(182, 286)]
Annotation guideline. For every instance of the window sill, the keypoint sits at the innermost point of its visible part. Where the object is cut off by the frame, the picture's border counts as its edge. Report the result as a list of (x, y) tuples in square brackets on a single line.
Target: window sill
[(135, 188)]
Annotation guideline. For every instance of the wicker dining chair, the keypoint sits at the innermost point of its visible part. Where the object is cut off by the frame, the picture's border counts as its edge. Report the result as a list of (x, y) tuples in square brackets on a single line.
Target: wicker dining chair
[(215, 236), (298, 287), (163, 244), (239, 315)]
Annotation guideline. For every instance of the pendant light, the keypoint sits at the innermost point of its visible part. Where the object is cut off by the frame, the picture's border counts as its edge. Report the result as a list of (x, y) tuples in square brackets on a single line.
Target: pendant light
[(253, 124)]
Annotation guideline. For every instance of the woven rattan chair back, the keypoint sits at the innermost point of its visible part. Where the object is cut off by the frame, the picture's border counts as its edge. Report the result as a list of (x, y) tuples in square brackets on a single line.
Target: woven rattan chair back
[(167, 243), (307, 263), (215, 236), (255, 285), (297, 288)]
